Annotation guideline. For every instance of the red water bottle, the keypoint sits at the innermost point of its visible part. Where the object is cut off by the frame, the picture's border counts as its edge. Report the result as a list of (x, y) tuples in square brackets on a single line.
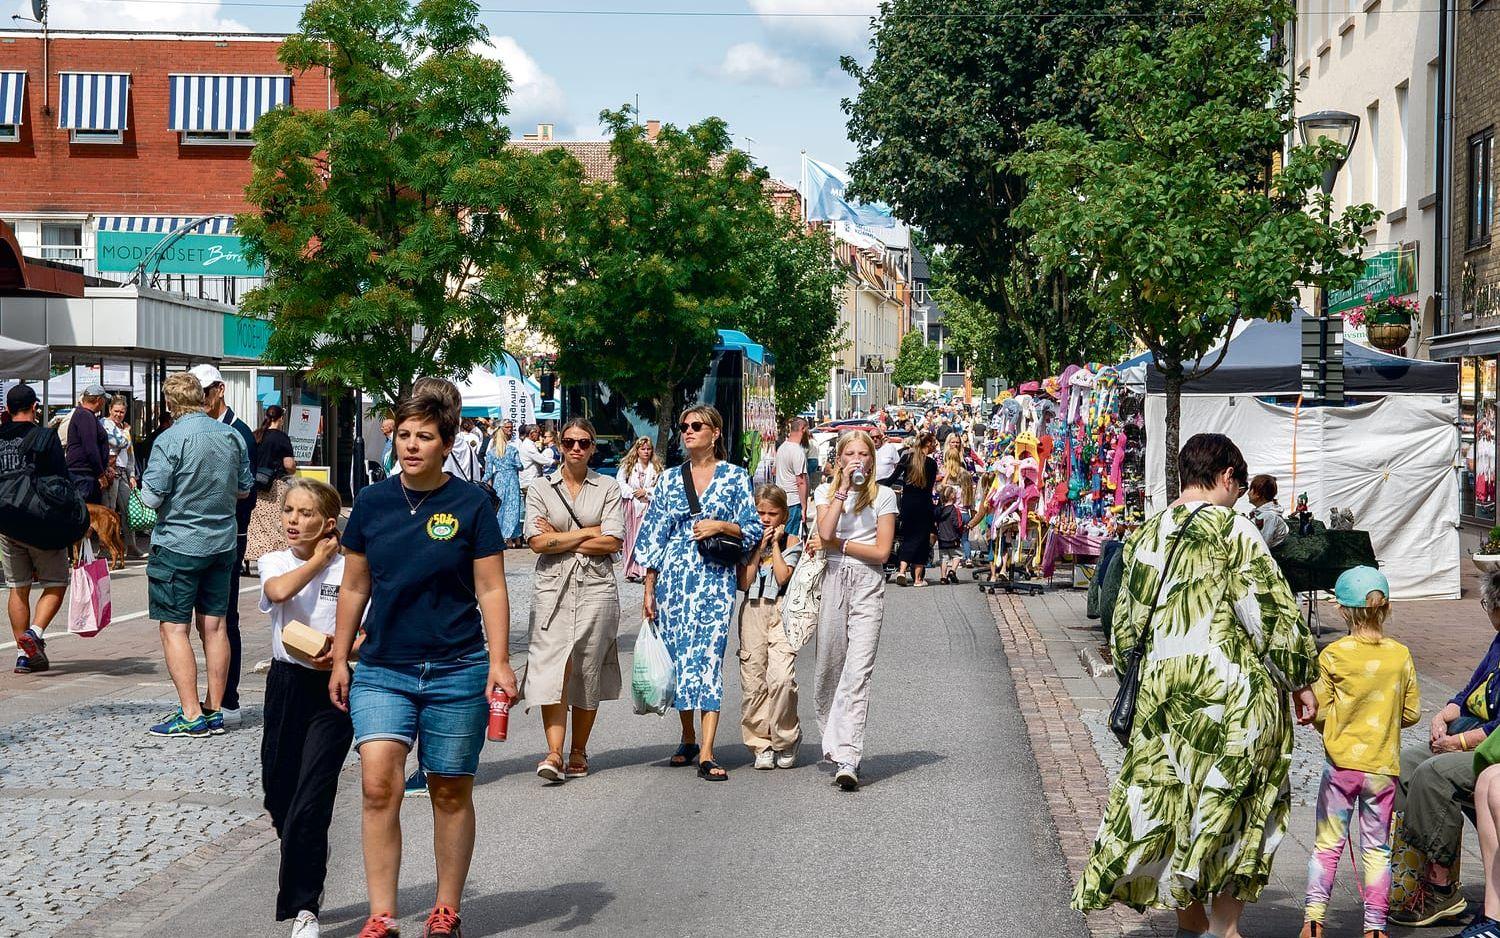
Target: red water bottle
[(499, 714)]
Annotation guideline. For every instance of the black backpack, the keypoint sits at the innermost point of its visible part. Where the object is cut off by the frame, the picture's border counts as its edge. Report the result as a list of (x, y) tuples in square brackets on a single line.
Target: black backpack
[(45, 512)]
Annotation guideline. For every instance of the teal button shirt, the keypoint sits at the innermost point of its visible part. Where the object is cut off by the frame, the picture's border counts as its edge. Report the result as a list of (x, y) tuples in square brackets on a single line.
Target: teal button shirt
[(197, 471)]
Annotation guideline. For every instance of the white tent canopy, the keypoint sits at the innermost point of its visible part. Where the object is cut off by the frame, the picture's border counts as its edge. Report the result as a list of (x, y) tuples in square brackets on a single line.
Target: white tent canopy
[(1390, 461), (488, 394), (23, 360)]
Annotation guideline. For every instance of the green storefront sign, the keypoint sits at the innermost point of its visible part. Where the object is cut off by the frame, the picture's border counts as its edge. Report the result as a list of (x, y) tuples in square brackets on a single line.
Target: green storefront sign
[(207, 255), (1389, 273), (245, 337)]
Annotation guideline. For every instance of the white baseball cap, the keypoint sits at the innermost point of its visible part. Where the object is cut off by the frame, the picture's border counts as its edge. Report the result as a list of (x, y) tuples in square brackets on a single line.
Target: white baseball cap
[(206, 375)]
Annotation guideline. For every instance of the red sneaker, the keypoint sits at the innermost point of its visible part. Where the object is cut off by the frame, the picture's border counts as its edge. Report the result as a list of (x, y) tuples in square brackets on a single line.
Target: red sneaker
[(442, 922), (383, 925)]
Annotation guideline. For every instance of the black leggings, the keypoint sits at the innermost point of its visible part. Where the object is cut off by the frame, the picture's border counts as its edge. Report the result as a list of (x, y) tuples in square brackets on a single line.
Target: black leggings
[(302, 752)]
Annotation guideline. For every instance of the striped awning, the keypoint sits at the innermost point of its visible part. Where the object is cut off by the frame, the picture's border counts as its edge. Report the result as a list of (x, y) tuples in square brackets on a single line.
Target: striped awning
[(12, 97), (164, 224), (225, 102), (92, 101)]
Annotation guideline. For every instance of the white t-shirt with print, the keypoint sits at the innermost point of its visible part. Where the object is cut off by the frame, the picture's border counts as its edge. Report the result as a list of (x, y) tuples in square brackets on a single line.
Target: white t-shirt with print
[(314, 606), (859, 527)]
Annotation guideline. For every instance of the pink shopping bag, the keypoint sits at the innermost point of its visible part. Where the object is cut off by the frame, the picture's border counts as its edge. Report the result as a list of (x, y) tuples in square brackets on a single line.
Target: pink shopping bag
[(88, 602)]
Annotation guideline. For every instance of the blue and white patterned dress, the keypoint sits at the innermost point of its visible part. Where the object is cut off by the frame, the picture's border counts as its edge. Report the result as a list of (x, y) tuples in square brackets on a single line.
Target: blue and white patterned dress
[(695, 598), (504, 473)]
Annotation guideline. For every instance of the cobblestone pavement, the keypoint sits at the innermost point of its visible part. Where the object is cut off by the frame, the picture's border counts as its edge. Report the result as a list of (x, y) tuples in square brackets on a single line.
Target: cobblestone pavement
[(1043, 637)]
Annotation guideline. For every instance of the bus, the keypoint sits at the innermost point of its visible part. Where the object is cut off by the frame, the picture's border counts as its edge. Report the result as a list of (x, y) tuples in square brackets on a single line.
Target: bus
[(739, 380)]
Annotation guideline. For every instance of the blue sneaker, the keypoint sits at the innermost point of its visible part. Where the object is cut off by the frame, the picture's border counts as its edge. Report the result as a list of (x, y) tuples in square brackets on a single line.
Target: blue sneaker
[(215, 721), (34, 647), (1482, 927), (177, 725), (23, 664), (416, 785)]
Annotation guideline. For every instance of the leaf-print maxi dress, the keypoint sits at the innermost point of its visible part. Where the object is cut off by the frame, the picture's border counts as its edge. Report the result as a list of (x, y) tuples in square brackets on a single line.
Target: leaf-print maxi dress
[(695, 598), (1202, 799)]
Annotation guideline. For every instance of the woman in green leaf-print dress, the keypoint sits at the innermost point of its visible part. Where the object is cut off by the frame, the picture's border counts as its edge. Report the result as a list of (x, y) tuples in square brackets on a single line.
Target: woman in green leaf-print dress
[(1201, 803)]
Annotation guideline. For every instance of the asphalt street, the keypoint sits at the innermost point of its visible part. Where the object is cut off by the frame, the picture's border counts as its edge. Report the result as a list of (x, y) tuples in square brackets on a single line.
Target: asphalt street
[(949, 833)]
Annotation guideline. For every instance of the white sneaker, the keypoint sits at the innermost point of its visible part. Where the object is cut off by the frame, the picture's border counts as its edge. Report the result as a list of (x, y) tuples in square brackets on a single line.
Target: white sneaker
[(786, 760), (233, 718), (765, 759), (847, 777), (306, 925)]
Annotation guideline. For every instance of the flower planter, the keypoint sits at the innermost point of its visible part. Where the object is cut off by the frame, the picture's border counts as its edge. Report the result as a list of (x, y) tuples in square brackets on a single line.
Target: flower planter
[(1486, 562), (1389, 336)]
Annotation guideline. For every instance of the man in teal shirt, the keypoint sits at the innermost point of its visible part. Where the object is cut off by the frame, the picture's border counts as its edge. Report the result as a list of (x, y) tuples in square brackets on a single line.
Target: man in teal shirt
[(199, 469)]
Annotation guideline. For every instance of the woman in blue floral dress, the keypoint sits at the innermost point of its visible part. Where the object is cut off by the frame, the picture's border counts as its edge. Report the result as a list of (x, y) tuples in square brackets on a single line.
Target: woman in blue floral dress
[(690, 598), (502, 470)]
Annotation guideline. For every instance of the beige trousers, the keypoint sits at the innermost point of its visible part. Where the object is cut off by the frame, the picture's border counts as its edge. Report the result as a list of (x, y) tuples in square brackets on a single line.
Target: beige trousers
[(848, 634), (768, 713)]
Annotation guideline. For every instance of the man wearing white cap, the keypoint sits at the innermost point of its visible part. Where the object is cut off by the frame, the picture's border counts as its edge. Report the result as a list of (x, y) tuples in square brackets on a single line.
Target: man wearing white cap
[(218, 408), (88, 446)]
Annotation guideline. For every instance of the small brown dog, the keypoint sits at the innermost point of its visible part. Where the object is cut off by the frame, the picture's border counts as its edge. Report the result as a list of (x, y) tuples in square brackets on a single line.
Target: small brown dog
[(106, 524)]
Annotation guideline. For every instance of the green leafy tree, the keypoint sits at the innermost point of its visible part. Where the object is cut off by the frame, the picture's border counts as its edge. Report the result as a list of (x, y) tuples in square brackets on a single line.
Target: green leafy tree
[(916, 361), (682, 242), (973, 334), (946, 101), (1170, 209), (398, 228), (793, 309)]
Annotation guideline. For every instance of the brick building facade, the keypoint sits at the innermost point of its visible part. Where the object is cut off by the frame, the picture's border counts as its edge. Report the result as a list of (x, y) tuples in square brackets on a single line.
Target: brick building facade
[(1475, 268)]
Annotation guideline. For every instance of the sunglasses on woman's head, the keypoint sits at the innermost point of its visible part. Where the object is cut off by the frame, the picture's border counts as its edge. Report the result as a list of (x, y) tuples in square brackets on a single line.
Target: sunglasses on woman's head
[(573, 442), (693, 425)]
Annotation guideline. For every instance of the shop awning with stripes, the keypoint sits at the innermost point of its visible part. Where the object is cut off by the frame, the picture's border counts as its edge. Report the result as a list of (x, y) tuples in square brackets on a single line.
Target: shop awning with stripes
[(164, 224), (225, 102), (12, 97)]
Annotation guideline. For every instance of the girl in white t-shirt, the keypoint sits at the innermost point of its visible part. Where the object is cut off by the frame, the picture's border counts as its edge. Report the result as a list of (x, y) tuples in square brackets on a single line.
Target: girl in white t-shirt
[(306, 737), (856, 526)]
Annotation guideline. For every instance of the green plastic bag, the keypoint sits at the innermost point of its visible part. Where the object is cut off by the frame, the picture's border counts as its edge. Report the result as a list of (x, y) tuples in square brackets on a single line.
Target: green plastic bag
[(653, 684), (141, 517)]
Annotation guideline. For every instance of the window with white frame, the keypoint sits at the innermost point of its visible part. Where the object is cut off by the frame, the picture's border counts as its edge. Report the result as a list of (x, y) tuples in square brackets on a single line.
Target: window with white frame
[(10, 133), (96, 136), (1430, 132), (219, 137), (1481, 187), (1403, 137), (62, 241), (1372, 183)]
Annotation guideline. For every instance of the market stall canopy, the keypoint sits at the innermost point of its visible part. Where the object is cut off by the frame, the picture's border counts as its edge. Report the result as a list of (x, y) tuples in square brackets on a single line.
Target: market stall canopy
[(22, 359), (1266, 359), (486, 394)]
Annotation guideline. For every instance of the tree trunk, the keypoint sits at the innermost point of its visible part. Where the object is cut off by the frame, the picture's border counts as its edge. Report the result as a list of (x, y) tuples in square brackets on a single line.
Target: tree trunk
[(1173, 442), (666, 420)]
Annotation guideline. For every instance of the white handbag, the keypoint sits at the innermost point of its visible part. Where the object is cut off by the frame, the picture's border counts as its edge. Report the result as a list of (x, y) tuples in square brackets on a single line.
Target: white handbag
[(803, 600)]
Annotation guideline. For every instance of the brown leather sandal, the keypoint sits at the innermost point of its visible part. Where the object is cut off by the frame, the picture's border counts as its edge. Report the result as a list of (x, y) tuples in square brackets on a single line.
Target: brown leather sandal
[(551, 768), (578, 764)]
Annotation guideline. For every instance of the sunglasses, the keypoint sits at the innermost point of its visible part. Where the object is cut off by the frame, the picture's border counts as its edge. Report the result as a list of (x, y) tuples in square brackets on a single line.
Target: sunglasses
[(695, 426), (572, 442)]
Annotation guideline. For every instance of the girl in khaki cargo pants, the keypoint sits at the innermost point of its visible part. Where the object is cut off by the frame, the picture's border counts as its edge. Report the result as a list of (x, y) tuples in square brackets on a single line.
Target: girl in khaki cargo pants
[(856, 526), (768, 713)]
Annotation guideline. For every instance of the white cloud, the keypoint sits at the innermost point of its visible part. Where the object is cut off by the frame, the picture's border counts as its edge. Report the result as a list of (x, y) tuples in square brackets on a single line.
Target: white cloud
[(750, 63), (535, 96), (152, 16), (839, 25)]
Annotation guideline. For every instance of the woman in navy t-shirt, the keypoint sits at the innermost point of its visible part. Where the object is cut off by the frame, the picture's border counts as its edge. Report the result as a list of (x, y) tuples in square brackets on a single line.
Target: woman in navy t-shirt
[(425, 570)]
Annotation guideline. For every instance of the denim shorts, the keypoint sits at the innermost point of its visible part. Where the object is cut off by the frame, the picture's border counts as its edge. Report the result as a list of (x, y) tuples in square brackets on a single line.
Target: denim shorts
[(438, 705)]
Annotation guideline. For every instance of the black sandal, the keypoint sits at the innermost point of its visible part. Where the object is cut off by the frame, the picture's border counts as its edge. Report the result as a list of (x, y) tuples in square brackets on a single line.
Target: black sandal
[(687, 752), (707, 768)]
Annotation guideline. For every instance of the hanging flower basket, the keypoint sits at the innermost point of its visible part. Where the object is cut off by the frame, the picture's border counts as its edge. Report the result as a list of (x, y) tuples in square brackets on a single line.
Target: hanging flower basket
[(1386, 321)]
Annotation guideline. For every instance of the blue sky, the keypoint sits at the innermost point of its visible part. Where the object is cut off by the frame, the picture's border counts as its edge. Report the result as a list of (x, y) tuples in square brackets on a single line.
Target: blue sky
[(770, 70)]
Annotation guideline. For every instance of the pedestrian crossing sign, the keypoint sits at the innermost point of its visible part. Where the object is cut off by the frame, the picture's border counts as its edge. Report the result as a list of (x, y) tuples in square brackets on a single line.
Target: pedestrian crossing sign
[(858, 386)]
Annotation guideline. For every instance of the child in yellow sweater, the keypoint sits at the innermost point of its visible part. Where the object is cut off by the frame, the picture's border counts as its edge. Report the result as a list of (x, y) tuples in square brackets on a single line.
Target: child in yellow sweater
[(1367, 691)]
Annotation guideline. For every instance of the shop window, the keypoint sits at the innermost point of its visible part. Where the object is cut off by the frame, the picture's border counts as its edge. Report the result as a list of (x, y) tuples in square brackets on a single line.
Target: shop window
[(10, 133), (96, 136), (219, 137), (1483, 448), (62, 241), (1481, 187)]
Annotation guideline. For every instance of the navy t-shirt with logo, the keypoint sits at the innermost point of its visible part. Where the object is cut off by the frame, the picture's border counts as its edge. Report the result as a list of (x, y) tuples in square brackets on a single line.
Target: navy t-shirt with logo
[(422, 603)]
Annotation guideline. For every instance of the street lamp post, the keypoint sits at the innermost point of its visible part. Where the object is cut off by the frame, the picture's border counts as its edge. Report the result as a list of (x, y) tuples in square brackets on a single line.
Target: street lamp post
[(1342, 128)]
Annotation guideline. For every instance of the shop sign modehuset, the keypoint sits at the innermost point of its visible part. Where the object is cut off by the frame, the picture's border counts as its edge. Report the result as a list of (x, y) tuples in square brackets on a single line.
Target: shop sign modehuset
[(195, 254)]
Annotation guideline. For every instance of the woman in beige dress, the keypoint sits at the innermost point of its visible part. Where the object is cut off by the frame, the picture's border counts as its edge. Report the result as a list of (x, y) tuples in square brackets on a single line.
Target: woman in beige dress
[(575, 522)]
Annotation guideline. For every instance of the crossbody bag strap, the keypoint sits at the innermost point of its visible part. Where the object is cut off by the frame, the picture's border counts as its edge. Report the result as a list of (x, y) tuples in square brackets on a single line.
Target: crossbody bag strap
[(571, 514), (692, 493), (1142, 642)]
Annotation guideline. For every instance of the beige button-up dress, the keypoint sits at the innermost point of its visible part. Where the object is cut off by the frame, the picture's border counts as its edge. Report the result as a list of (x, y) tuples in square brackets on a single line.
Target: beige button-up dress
[(575, 614)]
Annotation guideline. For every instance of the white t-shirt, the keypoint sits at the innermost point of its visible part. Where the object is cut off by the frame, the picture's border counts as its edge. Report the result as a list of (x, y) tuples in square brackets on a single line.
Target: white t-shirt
[(314, 606), (886, 458), (791, 462), (859, 527)]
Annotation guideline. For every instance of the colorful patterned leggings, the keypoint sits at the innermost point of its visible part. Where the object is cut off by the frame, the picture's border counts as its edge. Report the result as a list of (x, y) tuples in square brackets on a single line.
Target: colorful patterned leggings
[(1340, 794)]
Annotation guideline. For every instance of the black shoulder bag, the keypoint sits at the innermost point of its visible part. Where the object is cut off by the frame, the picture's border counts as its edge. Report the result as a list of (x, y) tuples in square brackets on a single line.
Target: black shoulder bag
[(1122, 714), (722, 549)]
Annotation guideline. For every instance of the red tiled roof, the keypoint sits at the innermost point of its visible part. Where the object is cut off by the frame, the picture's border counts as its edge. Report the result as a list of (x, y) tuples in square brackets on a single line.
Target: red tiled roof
[(593, 155)]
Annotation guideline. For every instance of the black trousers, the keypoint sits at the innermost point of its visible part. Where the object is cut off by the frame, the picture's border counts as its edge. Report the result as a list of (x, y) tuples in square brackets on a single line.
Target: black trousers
[(231, 699), (306, 741)]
